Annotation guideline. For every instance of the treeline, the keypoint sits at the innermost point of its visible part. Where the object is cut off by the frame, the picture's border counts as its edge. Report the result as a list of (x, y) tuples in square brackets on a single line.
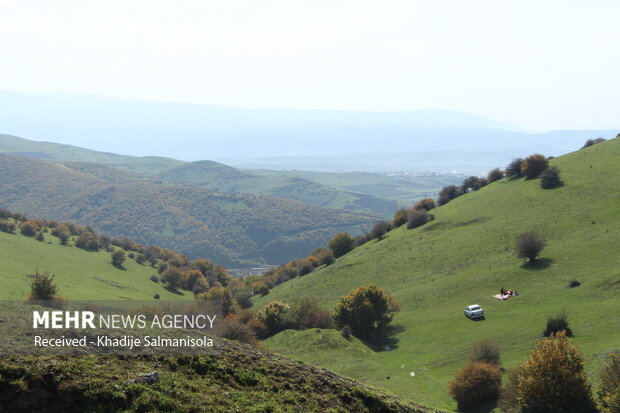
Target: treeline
[(176, 271)]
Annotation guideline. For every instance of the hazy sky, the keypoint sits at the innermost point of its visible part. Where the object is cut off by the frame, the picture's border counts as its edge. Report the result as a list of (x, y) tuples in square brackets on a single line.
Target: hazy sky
[(540, 64)]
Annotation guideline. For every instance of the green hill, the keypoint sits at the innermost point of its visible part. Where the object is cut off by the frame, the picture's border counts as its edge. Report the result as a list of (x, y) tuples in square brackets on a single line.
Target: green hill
[(231, 229), (80, 275), (464, 257), (221, 178)]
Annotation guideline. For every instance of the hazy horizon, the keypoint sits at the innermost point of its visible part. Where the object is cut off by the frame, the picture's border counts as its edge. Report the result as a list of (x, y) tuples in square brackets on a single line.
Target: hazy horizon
[(539, 65)]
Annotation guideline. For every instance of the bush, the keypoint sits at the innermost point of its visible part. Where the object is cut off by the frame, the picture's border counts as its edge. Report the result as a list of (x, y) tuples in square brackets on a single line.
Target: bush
[(426, 204), (573, 284), (326, 257), (234, 330), (550, 178), (154, 278), (609, 390), (40, 237), (173, 277), (7, 226), (273, 315), (417, 217), (87, 241), (552, 379), (487, 351), (224, 297), (495, 175), (448, 193), (557, 324), (118, 258), (529, 245), (513, 170), (361, 240), (28, 228), (473, 183), (591, 142), (368, 310), (534, 165), (304, 268), (379, 230), (346, 332), (476, 383), (305, 313), (156, 296), (341, 244), (261, 289), (43, 287), (400, 217)]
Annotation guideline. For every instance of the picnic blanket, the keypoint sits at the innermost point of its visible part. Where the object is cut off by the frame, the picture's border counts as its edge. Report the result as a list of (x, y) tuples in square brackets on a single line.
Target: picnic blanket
[(503, 297)]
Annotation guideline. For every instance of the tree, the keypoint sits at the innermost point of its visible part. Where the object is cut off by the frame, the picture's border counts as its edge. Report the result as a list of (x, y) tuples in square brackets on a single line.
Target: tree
[(400, 217), (63, 236), (529, 245), (224, 297), (40, 236), (495, 175), (426, 204), (448, 193), (43, 287), (513, 170), (173, 277), (591, 142), (7, 226), (379, 230), (341, 244), (534, 165), (87, 241), (368, 311), (609, 390), (28, 228), (476, 383), (550, 178), (118, 258), (472, 183), (273, 315), (417, 217), (190, 278), (553, 379)]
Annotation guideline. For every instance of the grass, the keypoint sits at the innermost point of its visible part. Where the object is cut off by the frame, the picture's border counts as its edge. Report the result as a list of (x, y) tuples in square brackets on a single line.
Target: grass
[(80, 275), (464, 257)]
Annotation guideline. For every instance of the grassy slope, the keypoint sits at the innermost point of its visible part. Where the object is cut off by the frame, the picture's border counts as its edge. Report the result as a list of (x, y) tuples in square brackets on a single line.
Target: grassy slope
[(464, 257), (80, 275)]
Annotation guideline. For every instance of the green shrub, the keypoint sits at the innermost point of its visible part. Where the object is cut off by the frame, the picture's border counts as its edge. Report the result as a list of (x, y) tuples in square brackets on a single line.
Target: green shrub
[(379, 230), (448, 193), (42, 287), (118, 258), (529, 245), (417, 217), (341, 244), (556, 324), (591, 142), (368, 310), (486, 350), (513, 170), (550, 178), (274, 316), (476, 383)]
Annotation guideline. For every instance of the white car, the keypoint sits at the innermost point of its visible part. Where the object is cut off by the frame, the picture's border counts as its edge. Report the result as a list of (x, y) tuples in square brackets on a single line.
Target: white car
[(474, 311)]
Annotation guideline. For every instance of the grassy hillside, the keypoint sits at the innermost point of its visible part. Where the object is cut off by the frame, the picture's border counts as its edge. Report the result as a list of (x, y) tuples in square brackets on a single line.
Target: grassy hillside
[(233, 230), (80, 275), (464, 257)]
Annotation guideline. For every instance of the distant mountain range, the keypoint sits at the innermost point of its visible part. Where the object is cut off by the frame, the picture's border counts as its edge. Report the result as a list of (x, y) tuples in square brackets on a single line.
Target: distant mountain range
[(246, 136)]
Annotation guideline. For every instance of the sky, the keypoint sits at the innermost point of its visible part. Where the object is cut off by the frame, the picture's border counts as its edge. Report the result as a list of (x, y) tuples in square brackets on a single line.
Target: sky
[(541, 65)]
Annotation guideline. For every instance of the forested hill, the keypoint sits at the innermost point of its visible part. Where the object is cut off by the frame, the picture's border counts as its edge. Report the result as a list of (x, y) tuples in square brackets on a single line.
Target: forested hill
[(235, 230)]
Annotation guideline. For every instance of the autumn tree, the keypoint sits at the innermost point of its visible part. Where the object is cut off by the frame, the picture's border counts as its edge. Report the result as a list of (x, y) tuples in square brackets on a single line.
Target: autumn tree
[(28, 228), (529, 245), (553, 379), (224, 297), (476, 383), (534, 165), (368, 311), (400, 217), (273, 315), (341, 244), (609, 389), (173, 276), (426, 204), (43, 287)]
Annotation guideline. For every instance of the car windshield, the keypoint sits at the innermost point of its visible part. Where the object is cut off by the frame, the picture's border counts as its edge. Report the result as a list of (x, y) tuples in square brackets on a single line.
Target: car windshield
[(474, 307)]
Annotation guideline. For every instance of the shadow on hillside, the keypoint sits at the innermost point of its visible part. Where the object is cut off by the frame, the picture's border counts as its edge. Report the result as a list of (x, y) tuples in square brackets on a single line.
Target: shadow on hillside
[(172, 290), (539, 264), (389, 342), (119, 267), (483, 408)]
